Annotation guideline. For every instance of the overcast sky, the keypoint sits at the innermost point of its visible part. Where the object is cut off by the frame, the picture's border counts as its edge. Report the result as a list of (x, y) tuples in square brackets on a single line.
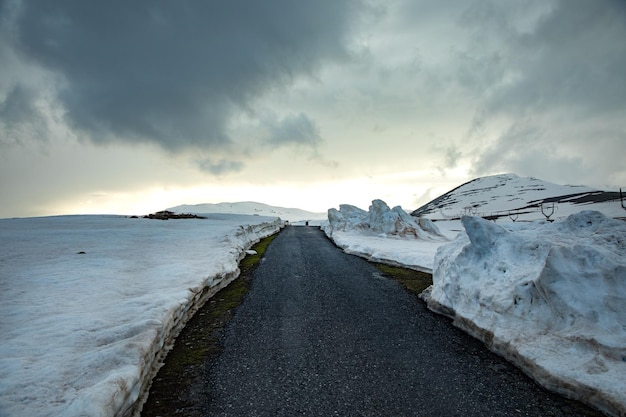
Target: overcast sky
[(131, 107)]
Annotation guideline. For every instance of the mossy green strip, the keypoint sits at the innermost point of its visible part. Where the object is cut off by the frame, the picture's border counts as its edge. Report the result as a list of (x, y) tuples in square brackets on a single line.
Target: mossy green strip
[(248, 263), (412, 280), (198, 343)]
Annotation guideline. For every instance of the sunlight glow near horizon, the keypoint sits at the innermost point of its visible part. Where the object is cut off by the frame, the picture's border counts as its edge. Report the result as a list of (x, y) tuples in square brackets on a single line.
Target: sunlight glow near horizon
[(407, 189)]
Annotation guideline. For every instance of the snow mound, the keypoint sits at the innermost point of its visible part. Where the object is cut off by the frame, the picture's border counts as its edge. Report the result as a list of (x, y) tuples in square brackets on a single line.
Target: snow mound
[(380, 219), (550, 297)]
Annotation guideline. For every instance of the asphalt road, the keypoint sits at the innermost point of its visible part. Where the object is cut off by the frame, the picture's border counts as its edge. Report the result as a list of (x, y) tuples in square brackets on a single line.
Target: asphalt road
[(322, 333)]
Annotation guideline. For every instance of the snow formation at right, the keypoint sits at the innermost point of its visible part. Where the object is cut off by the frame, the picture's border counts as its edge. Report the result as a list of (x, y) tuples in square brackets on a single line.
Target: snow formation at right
[(550, 297), (538, 273)]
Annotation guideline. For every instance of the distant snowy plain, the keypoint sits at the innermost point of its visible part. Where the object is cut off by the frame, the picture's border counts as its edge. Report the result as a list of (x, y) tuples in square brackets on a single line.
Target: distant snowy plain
[(90, 304)]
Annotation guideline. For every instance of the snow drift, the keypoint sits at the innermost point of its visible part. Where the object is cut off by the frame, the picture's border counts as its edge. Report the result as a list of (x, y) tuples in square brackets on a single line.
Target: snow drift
[(550, 297), (384, 235), (380, 219)]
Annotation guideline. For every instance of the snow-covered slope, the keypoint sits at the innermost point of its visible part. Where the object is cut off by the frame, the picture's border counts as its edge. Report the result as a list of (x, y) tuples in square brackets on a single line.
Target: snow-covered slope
[(550, 297), (501, 196), (251, 208), (90, 304)]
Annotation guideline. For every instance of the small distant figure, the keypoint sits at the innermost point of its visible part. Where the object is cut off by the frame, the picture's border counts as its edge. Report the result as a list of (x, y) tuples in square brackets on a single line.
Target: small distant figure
[(306, 223)]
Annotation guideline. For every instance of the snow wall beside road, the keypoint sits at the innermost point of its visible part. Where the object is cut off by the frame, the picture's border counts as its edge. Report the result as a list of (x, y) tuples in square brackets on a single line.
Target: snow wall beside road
[(550, 297)]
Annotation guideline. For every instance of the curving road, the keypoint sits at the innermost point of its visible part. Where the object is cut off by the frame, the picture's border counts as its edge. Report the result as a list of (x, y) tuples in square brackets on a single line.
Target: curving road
[(322, 333)]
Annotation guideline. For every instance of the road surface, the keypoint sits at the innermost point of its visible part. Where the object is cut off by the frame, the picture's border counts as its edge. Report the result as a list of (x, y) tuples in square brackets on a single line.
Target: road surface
[(322, 333)]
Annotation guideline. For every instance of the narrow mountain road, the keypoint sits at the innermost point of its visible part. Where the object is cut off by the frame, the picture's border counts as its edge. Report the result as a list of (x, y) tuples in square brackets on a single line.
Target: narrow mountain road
[(322, 333)]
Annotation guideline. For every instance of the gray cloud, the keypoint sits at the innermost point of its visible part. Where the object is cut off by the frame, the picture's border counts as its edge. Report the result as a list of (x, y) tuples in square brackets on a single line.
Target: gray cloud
[(518, 143), (578, 155), (572, 59), (220, 167), (296, 129), (537, 56), (174, 72), (19, 116), (452, 157), (550, 87)]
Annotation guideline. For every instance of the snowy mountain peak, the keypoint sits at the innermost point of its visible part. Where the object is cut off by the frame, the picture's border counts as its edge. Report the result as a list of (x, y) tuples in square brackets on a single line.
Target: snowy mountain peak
[(500, 195)]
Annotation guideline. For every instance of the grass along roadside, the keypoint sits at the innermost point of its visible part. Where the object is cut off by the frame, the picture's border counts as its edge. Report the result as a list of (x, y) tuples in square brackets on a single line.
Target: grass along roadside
[(414, 281), (198, 342)]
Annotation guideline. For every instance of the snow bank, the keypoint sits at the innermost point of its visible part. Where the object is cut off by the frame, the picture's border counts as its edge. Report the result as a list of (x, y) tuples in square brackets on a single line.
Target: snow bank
[(408, 253), (550, 297), (384, 235), (380, 219), (89, 305)]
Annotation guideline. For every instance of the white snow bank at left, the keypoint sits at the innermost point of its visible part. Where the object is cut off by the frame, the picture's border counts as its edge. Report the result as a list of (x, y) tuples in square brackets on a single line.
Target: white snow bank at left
[(89, 304), (550, 297), (385, 235)]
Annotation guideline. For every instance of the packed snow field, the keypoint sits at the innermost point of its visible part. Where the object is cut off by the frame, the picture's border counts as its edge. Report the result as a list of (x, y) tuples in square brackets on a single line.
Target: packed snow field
[(549, 297), (90, 304)]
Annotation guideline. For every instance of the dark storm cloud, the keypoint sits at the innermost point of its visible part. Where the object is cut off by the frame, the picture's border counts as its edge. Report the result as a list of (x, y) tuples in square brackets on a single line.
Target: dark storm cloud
[(294, 129), (19, 116), (220, 167), (174, 72), (550, 85), (571, 57), (574, 58)]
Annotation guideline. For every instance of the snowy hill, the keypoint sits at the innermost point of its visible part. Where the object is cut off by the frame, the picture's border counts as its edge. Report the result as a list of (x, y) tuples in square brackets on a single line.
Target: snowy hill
[(251, 208), (499, 196)]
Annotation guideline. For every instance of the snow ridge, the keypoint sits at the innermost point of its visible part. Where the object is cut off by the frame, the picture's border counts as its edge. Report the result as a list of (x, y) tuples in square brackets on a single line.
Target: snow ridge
[(380, 219), (550, 297), (384, 235)]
